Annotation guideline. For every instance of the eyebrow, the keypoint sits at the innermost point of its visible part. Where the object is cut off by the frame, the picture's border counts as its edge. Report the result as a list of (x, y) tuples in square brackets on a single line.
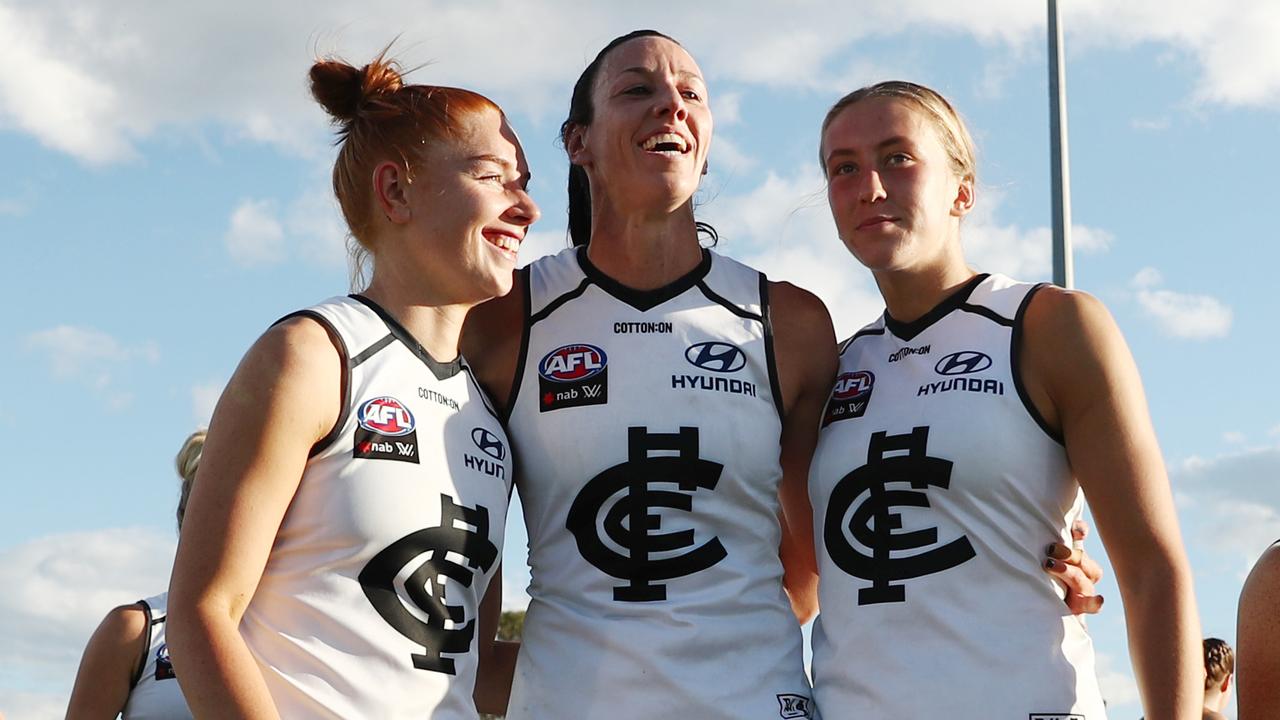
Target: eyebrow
[(895, 140), (486, 157), (501, 161), (686, 74)]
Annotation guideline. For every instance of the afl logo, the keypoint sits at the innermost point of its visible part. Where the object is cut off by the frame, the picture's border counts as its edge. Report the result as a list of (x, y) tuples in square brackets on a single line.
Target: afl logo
[(716, 356), (852, 385), (963, 363), (572, 363), (386, 416), (489, 443)]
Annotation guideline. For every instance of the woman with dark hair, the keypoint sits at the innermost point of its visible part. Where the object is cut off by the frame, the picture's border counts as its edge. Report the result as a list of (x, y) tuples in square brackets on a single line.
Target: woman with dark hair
[(663, 402), (967, 424), (125, 670), (349, 517)]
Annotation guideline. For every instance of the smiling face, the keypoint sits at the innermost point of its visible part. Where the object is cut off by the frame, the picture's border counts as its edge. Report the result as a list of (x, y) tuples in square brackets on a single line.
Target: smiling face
[(470, 209), (650, 130), (894, 191)]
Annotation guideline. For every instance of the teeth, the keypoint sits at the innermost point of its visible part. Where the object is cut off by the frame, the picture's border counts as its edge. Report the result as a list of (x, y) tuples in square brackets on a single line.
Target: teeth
[(505, 242), (665, 139)]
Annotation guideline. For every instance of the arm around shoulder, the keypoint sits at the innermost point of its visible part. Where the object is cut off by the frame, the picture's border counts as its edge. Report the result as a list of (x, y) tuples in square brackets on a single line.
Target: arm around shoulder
[(1080, 375), (491, 339), (284, 397), (111, 658), (805, 349), (1258, 640)]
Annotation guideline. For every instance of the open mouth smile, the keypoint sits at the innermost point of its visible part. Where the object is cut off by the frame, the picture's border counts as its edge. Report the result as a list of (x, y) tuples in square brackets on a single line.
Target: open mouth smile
[(667, 143)]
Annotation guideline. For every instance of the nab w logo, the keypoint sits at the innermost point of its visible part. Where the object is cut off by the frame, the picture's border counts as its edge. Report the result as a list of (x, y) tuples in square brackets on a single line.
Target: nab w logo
[(716, 356), (463, 533), (872, 521), (630, 523)]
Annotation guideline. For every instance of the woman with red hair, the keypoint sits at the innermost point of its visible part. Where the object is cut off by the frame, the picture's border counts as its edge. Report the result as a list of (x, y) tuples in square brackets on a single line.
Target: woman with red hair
[(352, 498)]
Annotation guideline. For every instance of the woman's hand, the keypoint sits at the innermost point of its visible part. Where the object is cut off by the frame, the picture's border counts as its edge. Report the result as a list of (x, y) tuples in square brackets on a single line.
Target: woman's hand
[(1078, 572)]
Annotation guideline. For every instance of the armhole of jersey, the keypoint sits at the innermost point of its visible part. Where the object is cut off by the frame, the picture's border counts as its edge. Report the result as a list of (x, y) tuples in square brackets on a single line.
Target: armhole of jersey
[(146, 645), (344, 358), (770, 360), (526, 325), (1015, 363)]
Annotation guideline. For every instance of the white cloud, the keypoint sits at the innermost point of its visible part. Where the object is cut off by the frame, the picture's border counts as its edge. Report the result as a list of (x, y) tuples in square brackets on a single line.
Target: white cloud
[(1237, 498), (1117, 683), (783, 227), (255, 235), (64, 104), (1274, 432), (1150, 124), (204, 397), (542, 242), (32, 706), (90, 357), (12, 207), (1180, 315), (727, 158), (727, 108), (1022, 253), (315, 225), (57, 590), (113, 76), (310, 228), (1234, 438)]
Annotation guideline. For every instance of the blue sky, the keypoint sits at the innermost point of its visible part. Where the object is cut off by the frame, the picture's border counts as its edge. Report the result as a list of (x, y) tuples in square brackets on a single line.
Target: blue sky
[(165, 198)]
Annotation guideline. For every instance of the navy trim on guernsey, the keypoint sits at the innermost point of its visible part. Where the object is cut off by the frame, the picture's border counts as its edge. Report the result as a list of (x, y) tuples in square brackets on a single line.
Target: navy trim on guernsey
[(345, 380), (1015, 362), (441, 370), (987, 313), (526, 288), (370, 351), (146, 645), (555, 304), (713, 297), (861, 333), (909, 330), (766, 320), (643, 299)]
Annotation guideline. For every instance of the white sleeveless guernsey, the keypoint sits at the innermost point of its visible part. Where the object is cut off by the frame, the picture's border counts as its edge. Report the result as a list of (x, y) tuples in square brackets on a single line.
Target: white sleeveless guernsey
[(935, 487), (647, 427), (368, 604), (155, 694)]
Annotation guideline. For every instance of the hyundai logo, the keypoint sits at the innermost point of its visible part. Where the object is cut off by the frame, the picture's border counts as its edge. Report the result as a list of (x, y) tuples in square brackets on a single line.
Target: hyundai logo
[(963, 363), (716, 356), (489, 444)]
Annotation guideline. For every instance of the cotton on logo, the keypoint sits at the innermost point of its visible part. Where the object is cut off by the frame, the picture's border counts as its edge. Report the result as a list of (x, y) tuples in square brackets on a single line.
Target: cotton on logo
[(386, 416)]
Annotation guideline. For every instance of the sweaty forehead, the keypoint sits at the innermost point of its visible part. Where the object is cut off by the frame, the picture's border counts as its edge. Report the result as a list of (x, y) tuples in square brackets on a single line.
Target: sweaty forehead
[(648, 54)]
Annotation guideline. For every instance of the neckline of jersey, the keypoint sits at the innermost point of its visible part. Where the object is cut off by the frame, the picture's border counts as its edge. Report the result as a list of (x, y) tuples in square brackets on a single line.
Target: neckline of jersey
[(909, 330), (441, 370), (643, 299)]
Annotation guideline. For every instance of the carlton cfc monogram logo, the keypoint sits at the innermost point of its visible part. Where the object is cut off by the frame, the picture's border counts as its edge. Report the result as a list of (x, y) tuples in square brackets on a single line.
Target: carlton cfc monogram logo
[(873, 522), (424, 587), (629, 522)]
